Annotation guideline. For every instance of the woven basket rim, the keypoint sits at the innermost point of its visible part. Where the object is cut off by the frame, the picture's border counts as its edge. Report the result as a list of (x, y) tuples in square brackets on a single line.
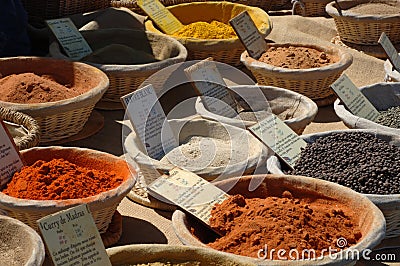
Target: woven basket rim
[(101, 87), (264, 32), (370, 240), (123, 188), (332, 10), (54, 50), (345, 60)]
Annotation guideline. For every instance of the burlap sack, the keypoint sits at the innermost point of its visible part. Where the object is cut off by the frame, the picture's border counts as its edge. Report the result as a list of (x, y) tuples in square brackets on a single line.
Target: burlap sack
[(391, 74), (382, 96)]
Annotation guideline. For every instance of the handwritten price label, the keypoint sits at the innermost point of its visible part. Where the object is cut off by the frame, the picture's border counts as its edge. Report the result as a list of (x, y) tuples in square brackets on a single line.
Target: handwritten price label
[(390, 50)]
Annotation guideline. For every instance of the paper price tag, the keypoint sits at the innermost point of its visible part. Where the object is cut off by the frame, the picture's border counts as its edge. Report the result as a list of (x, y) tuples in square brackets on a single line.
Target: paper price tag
[(390, 50), (10, 160), (249, 35), (209, 83), (274, 133), (160, 15), (352, 97), (70, 38), (72, 238), (189, 191), (149, 121)]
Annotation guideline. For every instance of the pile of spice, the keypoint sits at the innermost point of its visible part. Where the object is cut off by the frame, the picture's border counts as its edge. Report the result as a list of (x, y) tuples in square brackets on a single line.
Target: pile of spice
[(205, 30), (59, 179), (356, 160), (249, 225), (197, 153), (189, 263), (296, 57), (375, 8), (31, 88), (390, 117)]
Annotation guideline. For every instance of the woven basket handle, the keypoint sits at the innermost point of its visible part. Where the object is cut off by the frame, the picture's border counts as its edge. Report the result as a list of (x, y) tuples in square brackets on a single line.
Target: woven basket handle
[(301, 5)]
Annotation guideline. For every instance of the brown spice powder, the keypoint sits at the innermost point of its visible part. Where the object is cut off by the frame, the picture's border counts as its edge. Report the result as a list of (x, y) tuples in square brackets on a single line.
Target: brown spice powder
[(248, 225)]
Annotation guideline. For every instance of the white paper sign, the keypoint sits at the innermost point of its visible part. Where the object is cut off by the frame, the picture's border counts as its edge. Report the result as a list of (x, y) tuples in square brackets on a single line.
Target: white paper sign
[(390, 50), (249, 35), (10, 161), (274, 133), (209, 82), (353, 98), (189, 191), (149, 121), (72, 238), (160, 15), (70, 38)]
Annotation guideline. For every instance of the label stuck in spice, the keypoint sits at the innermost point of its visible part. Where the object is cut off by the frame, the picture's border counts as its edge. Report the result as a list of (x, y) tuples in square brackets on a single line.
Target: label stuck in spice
[(353, 98), (160, 15), (390, 50), (248, 34), (209, 83), (189, 191), (149, 121), (274, 133), (72, 238), (10, 160), (72, 41)]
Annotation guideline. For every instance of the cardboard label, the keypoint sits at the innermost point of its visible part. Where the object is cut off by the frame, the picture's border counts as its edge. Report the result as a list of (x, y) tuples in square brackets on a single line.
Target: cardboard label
[(10, 160), (274, 133), (149, 121), (189, 191), (72, 41), (353, 98), (160, 15), (390, 50), (209, 83), (249, 35), (72, 238)]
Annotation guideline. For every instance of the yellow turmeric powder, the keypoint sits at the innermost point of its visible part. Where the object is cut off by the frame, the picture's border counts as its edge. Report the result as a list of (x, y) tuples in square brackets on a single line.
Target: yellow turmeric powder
[(204, 30)]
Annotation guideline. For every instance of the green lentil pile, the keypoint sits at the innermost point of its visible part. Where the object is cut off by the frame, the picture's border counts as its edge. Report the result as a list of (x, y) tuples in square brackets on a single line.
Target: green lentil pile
[(390, 117), (356, 160)]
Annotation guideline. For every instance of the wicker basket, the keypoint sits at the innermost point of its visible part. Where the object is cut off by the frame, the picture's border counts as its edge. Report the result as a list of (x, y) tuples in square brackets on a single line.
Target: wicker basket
[(388, 204), (31, 139), (296, 110), (313, 82), (222, 50), (363, 29), (102, 206), (61, 119), (391, 74), (126, 78), (310, 8), (60, 8), (371, 220)]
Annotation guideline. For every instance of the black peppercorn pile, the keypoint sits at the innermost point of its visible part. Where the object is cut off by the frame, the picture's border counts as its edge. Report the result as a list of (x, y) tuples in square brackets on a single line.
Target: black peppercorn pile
[(356, 160), (390, 117)]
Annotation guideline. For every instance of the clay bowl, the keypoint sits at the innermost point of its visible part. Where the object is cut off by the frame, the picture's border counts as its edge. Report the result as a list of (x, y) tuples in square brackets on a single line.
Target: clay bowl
[(296, 110), (60, 119), (149, 253), (102, 206), (20, 244), (371, 219)]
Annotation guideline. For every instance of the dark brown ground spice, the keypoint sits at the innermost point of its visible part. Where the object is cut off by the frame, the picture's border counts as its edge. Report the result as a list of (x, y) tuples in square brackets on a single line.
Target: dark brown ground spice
[(247, 225), (59, 179), (296, 57)]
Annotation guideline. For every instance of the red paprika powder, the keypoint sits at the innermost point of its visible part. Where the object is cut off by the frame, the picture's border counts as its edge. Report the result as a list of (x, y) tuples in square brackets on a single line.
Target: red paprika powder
[(59, 179)]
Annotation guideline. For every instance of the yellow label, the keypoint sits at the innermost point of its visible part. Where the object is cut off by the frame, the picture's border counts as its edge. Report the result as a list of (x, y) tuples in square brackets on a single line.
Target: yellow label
[(72, 238), (274, 133), (353, 98), (160, 15)]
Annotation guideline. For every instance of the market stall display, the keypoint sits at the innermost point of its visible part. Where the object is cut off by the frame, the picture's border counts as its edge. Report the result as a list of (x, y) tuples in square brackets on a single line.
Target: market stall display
[(296, 110), (293, 68), (371, 159), (128, 57), (59, 118), (308, 193), (223, 50)]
